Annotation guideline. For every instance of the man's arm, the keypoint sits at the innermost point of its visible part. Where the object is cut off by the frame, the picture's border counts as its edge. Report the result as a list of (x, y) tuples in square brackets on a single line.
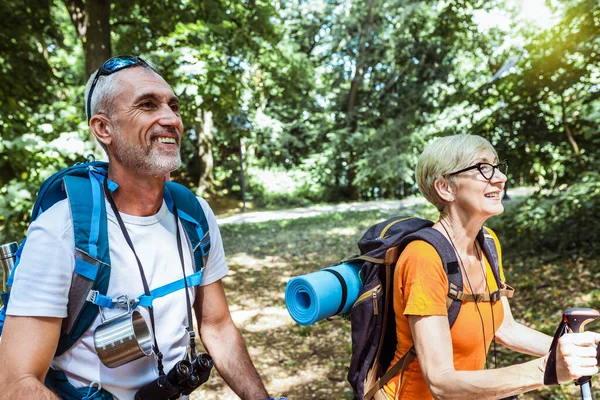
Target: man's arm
[(225, 344), (26, 351)]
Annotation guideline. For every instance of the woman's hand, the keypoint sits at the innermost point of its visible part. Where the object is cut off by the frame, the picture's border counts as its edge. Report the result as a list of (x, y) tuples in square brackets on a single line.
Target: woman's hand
[(576, 356)]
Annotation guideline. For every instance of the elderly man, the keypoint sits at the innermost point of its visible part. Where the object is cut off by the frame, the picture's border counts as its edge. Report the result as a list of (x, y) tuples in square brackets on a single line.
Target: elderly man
[(135, 116)]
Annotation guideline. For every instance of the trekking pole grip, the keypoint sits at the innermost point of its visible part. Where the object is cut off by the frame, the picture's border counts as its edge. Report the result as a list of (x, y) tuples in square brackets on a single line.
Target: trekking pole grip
[(576, 320)]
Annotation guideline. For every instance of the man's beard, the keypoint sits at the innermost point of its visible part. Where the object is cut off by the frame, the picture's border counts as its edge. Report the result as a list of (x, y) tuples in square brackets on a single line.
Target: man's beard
[(147, 159)]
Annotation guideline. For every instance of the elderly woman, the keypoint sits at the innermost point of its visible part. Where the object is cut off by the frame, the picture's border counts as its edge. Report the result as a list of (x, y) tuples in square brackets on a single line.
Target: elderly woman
[(462, 176)]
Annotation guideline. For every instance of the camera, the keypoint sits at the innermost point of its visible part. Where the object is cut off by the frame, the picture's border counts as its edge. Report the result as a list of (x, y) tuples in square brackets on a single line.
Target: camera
[(182, 379), (201, 372)]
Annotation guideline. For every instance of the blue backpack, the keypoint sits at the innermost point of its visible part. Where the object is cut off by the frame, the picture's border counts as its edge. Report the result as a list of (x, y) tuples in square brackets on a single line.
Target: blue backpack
[(82, 184)]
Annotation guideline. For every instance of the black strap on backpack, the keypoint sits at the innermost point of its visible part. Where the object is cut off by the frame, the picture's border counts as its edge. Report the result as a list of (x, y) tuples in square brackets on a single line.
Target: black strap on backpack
[(455, 281), (398, 232)]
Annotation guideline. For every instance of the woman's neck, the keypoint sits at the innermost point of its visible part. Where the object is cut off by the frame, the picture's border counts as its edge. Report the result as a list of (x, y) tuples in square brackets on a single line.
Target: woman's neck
[(462, 234), (463, 238)]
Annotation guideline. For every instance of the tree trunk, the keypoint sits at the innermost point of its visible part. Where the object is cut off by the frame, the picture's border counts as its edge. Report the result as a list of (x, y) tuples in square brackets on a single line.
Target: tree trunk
[(359, 71), (205, 156), (357, 80), (96, 45), (242, 174), (569, 134), (92, 24), (78, 15)]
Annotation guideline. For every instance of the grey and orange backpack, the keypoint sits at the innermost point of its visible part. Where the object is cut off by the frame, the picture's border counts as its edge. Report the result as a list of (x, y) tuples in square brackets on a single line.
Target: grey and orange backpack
[(372, 315)]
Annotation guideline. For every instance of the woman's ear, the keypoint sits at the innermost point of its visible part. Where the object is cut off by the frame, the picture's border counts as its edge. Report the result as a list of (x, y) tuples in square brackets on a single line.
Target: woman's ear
[(444, 189), (102, 128)]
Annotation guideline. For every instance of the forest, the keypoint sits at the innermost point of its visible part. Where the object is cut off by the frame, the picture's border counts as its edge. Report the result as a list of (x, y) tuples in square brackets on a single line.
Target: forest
[(291, 103)]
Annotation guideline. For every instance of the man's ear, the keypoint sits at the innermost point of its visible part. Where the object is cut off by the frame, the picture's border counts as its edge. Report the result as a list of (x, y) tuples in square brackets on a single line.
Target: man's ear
[(103, 128), (444, 189)]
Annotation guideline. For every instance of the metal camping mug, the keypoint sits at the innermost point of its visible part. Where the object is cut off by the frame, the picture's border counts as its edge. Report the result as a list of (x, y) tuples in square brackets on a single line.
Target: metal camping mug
[(7, 259), (123, 338)]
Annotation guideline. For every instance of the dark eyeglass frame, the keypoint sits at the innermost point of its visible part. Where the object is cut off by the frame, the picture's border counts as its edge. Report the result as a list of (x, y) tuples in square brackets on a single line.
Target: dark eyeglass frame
[(110, 66), (502, 166)]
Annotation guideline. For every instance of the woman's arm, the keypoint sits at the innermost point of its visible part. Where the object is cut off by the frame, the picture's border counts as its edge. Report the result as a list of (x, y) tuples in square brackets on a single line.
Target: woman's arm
[(519, 337), (575, 357)]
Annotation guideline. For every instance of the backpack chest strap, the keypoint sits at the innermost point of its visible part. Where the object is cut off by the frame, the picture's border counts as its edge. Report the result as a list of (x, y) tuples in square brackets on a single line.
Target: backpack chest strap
[(455, 294), (144, 300)]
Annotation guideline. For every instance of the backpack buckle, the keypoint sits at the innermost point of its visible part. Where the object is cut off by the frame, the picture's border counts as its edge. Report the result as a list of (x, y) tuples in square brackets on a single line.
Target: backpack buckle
[(92, 295), (454, 293), (478, 297), (495, 296)]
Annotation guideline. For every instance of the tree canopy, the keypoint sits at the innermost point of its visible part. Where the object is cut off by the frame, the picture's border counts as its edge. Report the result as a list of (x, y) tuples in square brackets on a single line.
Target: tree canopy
[(342, 95)]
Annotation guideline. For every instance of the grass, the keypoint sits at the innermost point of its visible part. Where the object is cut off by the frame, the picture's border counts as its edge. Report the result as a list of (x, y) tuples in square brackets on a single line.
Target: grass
[(311, 362), (299, 362)]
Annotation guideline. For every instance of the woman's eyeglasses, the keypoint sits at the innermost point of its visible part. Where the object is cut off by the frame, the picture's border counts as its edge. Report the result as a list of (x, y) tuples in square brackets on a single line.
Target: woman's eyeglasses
[(109, 67), (485, 169)]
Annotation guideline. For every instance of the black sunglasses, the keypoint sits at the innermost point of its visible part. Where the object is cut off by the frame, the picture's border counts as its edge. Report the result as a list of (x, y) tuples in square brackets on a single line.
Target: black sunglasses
[(109, 67), (485, 169)]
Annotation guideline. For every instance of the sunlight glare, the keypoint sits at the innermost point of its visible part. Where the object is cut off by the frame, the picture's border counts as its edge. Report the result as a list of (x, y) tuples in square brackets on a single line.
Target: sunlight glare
[(528, 12), (537, 12)]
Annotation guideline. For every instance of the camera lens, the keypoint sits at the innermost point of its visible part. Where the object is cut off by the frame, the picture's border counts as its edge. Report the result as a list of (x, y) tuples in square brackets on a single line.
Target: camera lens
[(200, 373), (180, 373), (205, 362), (182, 369)]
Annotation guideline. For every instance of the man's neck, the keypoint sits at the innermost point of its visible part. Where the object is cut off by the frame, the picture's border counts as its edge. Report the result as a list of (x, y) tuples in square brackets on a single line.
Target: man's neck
[(138, 194)]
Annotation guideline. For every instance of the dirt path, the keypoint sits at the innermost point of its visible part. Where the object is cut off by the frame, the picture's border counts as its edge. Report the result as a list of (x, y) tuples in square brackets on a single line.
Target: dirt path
[(304, 212), (303, 363)]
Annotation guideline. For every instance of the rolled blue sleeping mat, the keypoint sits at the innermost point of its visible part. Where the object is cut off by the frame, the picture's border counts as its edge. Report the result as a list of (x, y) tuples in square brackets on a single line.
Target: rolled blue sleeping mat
[(312, 297)]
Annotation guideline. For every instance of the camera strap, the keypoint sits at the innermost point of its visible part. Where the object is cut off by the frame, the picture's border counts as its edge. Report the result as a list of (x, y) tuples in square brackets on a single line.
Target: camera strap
[(189, 328)]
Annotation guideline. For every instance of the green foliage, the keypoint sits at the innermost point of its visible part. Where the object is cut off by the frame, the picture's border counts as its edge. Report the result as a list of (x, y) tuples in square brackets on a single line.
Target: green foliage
[(263, 198), (41, 125), (543, 114), (558, 223), (346, 92), (392, 75)]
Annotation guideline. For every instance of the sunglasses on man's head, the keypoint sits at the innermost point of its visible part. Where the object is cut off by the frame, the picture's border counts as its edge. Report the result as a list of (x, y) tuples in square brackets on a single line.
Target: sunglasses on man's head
[(109, 67), (485, 169)]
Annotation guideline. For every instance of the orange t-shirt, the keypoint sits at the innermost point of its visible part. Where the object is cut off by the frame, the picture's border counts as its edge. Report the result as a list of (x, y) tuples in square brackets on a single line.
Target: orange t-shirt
[(421, 288)]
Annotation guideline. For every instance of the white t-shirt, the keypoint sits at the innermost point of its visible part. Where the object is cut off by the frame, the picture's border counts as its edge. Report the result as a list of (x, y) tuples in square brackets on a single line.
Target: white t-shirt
[(43, 279)]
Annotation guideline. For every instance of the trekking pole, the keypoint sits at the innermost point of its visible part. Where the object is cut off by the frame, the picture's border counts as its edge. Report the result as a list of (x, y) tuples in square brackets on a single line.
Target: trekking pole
[(576, 320)]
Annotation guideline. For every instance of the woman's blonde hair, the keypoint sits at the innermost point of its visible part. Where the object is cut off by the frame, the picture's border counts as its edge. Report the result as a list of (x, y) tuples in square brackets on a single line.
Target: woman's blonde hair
[(445, 155)]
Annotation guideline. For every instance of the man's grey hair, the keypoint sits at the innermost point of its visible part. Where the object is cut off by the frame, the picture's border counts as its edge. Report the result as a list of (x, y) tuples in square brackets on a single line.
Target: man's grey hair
[(105, 92), (103, 98)]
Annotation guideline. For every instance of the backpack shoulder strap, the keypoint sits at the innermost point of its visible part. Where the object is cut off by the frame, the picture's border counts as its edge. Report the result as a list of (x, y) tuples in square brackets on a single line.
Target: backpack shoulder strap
[(489, 246), (92, 255), (453, 302), (193, 220), (450, 264), (455, 285)]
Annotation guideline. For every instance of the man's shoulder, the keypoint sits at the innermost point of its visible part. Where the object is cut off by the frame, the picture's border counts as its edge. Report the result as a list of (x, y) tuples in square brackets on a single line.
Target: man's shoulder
[(55, 219), (206, 208)]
